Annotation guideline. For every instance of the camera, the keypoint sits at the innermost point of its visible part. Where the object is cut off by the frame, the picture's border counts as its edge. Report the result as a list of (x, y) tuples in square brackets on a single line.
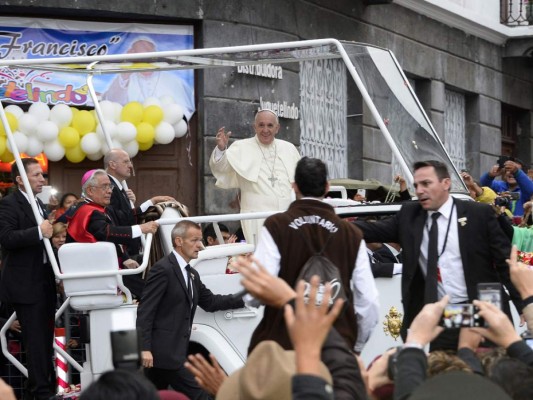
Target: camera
[(461, 316), (504, 200), (392, 366), (501, 161), (126, 348), (527, 336)]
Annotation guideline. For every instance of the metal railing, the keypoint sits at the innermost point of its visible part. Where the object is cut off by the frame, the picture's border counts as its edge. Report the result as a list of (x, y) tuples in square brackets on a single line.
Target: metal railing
[(516, 12)]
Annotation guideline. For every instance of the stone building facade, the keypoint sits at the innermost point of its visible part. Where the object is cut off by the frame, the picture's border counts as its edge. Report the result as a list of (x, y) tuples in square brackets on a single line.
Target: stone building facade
[(478, 96)]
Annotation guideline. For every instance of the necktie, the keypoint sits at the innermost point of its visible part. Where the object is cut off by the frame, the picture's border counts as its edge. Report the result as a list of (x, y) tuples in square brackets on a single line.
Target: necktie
[(431, 294), (189, 280)]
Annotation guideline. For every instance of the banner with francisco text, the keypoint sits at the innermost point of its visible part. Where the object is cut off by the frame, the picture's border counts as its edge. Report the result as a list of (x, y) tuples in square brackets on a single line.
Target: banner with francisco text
[(27, 38)]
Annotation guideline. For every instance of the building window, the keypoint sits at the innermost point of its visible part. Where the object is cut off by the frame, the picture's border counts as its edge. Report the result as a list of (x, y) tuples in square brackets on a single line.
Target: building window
[(323, 114), (454, 127)]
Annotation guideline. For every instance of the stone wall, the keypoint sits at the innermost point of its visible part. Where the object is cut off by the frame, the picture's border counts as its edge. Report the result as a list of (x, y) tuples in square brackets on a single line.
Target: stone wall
[(436, 56)]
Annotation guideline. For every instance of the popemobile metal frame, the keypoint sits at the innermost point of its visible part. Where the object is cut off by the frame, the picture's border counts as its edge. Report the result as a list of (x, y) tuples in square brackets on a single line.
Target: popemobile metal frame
[(375, 71)]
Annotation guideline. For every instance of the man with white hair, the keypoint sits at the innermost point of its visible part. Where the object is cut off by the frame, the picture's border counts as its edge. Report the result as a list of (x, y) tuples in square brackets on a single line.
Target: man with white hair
[(262, 167)]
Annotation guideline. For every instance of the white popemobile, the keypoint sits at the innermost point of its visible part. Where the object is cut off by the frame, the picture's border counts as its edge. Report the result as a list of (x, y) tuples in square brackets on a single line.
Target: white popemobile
[(89, 271)]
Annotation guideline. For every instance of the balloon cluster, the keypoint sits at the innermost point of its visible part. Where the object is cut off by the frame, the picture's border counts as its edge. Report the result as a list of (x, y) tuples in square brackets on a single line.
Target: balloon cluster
[(64, 131)]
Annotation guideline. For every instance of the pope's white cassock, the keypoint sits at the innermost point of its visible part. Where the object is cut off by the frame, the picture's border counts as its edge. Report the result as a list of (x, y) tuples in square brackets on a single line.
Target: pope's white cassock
[(263, 173)]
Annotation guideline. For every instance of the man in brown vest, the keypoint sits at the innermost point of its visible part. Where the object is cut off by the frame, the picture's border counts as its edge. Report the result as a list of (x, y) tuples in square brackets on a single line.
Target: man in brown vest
[(285, 245)]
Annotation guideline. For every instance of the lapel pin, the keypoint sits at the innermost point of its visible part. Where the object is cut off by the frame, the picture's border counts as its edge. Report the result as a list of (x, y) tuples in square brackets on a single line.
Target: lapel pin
[(462, 221)]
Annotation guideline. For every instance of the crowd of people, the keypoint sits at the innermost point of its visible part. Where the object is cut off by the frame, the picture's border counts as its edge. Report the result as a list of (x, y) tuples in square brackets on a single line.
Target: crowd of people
[(313, 271)]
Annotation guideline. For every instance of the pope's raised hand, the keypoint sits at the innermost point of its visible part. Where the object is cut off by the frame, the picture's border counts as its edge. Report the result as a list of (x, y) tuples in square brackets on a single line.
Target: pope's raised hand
[(222, 138)]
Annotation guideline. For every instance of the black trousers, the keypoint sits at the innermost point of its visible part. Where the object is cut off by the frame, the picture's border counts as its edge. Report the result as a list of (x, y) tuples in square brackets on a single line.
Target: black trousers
[(181, 380), (37, 323)]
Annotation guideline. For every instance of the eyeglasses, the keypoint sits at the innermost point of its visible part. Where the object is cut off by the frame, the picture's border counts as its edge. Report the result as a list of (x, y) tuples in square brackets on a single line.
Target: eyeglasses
[(105, 188)]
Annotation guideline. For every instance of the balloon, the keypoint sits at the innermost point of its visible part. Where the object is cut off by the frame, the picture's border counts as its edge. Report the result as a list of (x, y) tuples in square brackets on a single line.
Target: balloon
[(75, 154), (126, 132), (21, 140), (69, 137), (35, 146), (118, 112), (54, 151), (164, 133), (7, 156), (114, 145), (74, 111), (151, 101), (28, 124), (95, 156), (15, 110), (47, 131), (40, 111), (146, 146), (3, 141), (145, 133), (90, 143), (110, 128), (12, 121), (181, 128), (153, 115), (61, 114), (108, 110), (172, 113), (83, 122), (132, 112), (132, 148)]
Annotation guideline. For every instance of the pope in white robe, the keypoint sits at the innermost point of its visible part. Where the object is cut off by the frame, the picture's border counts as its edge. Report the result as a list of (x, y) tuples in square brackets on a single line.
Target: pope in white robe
[(262, 167)]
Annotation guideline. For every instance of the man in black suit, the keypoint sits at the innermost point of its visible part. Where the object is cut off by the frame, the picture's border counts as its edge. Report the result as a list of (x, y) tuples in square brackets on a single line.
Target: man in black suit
[(28, 281), (118, 166), (173, 291), (471, 247)]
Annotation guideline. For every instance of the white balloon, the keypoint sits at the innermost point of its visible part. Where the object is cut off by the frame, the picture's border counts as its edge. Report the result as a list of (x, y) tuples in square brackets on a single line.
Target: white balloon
[(164, 133), (28, 124), (95, 156), (118, 112), (54, 150), (40, 111), (110, 128), (151, 101), (47, 131), (61, 114), (108, 109), (126, 132), (90, 143), (166, 100), (115, 143), (132, 148), (172, 113), (35, 146), (181, 128), (21, 140), (15, 110)]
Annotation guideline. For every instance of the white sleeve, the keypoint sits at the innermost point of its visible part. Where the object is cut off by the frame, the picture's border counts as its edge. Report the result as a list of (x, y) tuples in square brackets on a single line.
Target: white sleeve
[(218, 154), (366, 298), (267, 252), (147, 204)]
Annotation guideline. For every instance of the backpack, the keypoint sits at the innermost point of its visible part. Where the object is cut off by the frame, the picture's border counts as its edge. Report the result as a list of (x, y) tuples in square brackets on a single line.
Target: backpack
[(322, 266)]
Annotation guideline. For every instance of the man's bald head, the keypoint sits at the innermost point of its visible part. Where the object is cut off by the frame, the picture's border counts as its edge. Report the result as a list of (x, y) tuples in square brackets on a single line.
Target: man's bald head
[(118, 164)]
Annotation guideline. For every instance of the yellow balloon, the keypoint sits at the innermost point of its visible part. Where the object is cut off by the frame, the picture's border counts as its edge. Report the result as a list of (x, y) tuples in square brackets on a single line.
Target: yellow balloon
[(146, 146), (74, 110), (145, 133), (84, 122), (69, 137), (75, 154), (153, 115), (13, 124), (132, 112), (3, 146), (7, 156)]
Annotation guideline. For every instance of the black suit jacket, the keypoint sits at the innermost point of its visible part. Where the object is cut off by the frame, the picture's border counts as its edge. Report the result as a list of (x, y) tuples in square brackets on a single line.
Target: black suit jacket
[(165, 314), (25, 278), (483, 246), (123, 214)]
